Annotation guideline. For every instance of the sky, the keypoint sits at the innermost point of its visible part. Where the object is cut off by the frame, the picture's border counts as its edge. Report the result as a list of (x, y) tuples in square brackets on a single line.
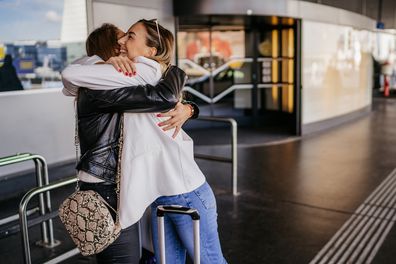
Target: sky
[(30, 20)]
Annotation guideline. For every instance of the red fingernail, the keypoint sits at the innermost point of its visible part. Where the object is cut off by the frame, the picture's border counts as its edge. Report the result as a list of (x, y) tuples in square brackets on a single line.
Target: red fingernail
[(159, 115), (119, 70), (159, 124), (134, 73), (126, 74), (130, 74)]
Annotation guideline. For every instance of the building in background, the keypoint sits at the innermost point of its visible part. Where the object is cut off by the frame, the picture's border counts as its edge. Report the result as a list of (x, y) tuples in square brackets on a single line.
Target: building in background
[(39, 62), (74, 28)]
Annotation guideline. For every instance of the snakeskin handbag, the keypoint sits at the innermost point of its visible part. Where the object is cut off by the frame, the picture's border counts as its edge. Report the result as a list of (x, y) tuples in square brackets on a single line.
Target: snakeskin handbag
[(87, 218), (86, 215)]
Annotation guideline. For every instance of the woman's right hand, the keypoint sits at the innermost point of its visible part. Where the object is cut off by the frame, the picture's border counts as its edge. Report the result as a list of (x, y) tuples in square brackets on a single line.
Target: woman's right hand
[(123, 64), (177, 117)]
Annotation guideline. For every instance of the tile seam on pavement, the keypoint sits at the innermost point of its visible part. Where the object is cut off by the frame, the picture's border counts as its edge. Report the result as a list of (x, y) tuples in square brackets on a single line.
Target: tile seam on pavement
[(361, 236)]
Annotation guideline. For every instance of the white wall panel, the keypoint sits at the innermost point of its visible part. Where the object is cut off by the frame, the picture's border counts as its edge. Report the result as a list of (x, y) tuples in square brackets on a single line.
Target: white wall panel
[(336, 70), (36, 121), (120, 15), (124, 16)]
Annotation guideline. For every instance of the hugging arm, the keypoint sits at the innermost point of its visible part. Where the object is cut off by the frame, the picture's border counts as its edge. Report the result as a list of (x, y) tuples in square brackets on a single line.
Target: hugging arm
[(105, 77), (142, 98), (178, 116)]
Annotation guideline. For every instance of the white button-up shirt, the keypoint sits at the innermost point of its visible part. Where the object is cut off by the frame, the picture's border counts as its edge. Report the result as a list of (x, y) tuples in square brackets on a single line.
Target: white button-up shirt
[(153, 164)]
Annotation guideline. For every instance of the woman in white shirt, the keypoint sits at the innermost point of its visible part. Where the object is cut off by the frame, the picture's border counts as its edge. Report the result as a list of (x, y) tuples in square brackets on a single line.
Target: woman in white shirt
[(149, 174), (99, 125)]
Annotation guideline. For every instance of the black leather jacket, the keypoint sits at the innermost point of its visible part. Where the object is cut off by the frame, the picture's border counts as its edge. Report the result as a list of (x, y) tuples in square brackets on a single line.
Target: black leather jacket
[(100, 116)]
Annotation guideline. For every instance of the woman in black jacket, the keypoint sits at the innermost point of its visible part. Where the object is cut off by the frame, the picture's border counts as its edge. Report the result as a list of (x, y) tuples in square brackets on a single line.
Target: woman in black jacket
[(99, 127)]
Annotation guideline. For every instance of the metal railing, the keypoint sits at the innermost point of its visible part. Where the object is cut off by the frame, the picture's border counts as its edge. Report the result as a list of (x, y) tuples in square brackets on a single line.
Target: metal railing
[(41, 170), (234, 149), (24, 222)]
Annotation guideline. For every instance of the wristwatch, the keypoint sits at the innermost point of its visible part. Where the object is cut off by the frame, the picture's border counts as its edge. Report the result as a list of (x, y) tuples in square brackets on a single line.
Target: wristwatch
[(194, 108)]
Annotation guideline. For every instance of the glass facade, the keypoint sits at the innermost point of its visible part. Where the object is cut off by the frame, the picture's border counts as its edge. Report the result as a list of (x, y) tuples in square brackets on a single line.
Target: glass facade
[(241, 66), (39, 55)]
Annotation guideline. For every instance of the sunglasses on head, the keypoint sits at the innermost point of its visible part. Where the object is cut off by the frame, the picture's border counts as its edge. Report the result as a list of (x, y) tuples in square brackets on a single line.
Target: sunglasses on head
[(155, 20)]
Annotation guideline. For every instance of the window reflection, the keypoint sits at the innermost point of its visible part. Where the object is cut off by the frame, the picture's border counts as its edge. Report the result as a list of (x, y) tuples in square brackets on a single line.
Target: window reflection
[(218, 58), (198, 47), (34, 41), (216, 54)]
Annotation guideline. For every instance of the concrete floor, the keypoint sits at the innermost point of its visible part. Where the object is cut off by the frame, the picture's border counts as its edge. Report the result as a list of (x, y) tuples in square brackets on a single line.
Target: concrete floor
[(293, 196)]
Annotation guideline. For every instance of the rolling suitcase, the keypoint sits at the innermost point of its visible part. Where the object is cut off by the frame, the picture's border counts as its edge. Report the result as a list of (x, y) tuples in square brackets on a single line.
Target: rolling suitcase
[(177, 209)]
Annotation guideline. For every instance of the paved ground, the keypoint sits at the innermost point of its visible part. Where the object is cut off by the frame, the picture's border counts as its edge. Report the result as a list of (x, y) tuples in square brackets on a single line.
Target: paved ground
[(293, 196)]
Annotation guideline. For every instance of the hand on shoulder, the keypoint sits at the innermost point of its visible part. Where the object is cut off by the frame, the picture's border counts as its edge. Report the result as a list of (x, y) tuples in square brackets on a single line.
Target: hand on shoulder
[(123, 65)]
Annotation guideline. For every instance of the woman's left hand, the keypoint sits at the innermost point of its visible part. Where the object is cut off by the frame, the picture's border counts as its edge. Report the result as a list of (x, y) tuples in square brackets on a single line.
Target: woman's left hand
[(123, 64), (178, 116)]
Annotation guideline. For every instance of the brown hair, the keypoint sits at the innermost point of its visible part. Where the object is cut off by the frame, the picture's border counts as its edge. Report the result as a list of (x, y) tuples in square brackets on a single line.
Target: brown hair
[(103, 42), (164, 43)]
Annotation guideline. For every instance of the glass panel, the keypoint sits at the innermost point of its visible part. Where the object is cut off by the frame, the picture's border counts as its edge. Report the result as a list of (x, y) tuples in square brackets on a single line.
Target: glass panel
[(36, 55), (287, 66), (271, 98), (287, 98), (288, 43), (276, 47), (220, 73), (195, 46), (219, 54)]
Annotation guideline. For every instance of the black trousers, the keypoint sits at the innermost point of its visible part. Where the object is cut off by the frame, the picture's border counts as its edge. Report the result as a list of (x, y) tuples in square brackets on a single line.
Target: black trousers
[(125, 249)]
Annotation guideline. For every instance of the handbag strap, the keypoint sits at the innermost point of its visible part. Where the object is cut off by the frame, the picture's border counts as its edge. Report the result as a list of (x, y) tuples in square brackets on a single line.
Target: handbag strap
[(118, 174), (76, 138)]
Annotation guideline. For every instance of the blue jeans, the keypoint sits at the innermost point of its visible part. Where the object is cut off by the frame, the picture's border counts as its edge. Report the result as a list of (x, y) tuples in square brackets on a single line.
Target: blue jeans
[(179, 229)]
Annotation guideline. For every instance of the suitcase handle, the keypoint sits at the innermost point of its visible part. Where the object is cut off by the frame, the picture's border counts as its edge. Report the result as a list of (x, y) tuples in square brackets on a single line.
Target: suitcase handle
[(177, 209)]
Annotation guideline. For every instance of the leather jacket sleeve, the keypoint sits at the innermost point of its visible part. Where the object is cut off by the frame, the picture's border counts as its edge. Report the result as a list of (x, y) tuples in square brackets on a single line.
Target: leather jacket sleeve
[(142, 98)]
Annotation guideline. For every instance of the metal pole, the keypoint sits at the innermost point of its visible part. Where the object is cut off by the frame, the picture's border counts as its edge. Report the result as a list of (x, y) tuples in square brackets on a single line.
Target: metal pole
[(10, 159), (22, 212), (15, 159), (178, 209), (44, 205), (255, 72), (197, 249), (51, 242), (24, 231), (211, 83), (42, 178), (39, 179), (234, 149), (297, 83), (161, 238), (140, 240)]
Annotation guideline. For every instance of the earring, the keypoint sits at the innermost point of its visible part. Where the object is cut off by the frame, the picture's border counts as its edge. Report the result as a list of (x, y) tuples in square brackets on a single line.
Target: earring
[(153, 51)]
